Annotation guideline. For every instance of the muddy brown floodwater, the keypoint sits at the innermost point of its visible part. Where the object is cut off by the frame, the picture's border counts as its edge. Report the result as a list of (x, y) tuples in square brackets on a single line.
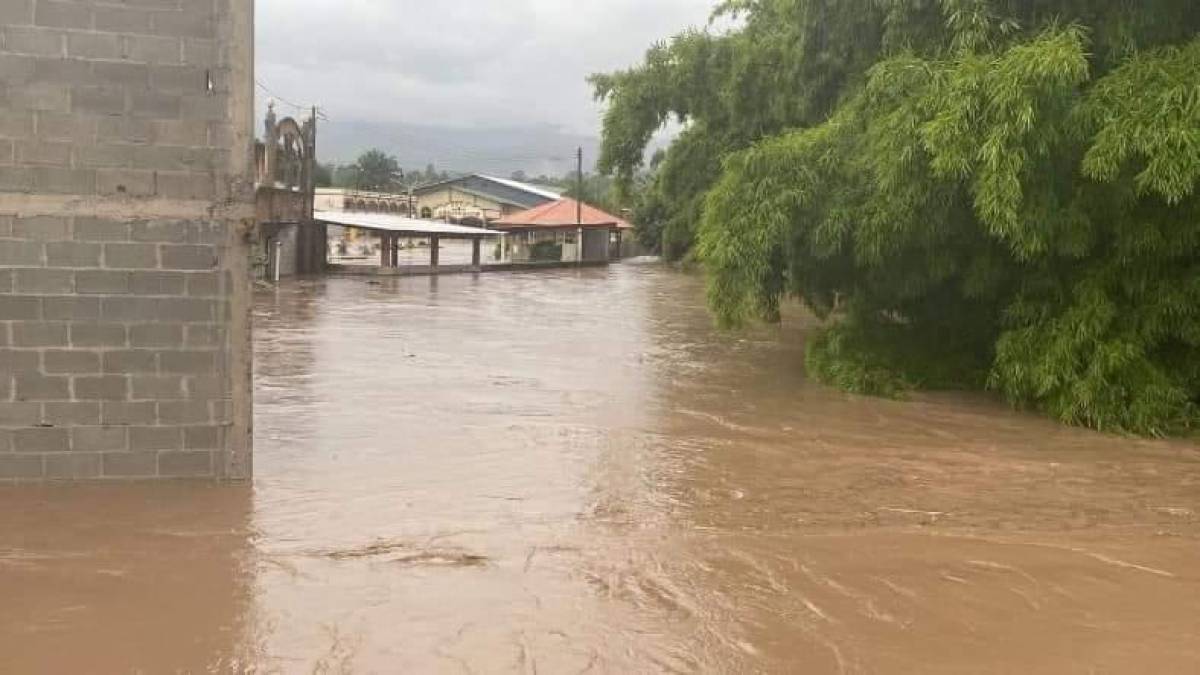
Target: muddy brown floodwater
[(572, 472)]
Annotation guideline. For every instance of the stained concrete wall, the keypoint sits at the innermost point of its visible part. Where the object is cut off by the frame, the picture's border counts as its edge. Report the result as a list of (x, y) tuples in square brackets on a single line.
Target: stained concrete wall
[(125, 202)]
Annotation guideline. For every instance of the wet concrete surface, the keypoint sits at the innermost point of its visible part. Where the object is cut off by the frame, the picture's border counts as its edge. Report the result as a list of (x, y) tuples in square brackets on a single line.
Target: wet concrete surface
[(570, 472)]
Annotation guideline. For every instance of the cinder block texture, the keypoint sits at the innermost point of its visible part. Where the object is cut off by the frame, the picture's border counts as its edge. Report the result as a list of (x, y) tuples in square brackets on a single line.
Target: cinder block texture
[(125, 156)]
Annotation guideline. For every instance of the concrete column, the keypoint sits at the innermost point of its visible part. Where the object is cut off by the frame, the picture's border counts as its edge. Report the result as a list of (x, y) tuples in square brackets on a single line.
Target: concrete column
[(475, 253), (395, 250), (385, 254), (435, 245), (579, 246)]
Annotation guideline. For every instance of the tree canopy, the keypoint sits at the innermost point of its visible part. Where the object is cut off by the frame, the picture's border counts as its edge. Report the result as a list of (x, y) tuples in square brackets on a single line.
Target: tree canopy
[(979, 192)]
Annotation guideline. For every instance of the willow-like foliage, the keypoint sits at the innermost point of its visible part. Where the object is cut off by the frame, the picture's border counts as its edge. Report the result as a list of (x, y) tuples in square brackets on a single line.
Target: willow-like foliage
[(980, 192)]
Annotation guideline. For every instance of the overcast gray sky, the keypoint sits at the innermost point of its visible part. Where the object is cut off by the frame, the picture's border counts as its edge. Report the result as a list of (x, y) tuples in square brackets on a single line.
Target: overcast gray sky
[(474, 64)]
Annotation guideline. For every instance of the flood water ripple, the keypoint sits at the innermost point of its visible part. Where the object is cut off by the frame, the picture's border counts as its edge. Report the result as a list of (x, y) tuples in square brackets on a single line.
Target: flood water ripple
[(573, 472)]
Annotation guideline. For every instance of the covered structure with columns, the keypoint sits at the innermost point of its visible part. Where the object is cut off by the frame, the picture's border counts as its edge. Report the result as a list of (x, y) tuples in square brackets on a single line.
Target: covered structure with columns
[(399, 237)]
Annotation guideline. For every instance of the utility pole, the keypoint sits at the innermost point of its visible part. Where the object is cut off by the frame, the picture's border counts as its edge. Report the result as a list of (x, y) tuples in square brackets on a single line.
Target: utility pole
[(579, 210), (579, 189)]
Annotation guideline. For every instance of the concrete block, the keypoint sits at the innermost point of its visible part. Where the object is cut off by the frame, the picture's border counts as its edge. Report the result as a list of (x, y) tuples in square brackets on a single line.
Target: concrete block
[(202, 438), (68, 414), (92, 45), (156, 283), (130, 464), (93, 334), (16, 123), (125, 182), (183, 412), (187, 363), (153, 49), (73, 466), (204, 284), (14, 361), (126, 413), (41, 440), (20, 308), (20, 414), (122, 19), (18, 179), (40, 96), (45, 281), (6, 287), (181, 132), (99, 439), (101, 388), (189, 23), (45, 228), (156, 335), (157, 105), (20, 254), (58, 362), (101, 282), (120, 74), (43, 153), (98, 100), (39, 334), (16, 12), (189, 257), (131, 361), (5, 441), (160, 232), (21, 467), (204, 337), (16, 70), (71, 309), (155, 438), (185, 464), (63, 71), (62, 14), (181, 79), (36, 41), (207, 107), (157, 388), (190, 310), (131, 256), (128, 308), (60, 126), (107, 156), (32, 387), (73, 254), (100, 229), (53, 180), (199, 51), (124, 129), (186, 185)]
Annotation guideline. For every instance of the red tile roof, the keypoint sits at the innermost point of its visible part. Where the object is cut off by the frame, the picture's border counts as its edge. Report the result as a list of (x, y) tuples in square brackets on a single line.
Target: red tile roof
[(559, 214)]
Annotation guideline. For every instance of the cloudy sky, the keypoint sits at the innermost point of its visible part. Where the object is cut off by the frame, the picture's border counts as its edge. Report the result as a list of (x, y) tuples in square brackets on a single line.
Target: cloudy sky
[(456, 82)]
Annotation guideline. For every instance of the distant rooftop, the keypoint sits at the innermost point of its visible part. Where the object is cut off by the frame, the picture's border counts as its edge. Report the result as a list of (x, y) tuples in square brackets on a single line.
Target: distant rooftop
[(503, 190), (560, 213)]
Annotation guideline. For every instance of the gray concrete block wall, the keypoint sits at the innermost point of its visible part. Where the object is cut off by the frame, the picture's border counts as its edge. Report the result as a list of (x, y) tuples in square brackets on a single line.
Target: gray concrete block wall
[(125, 202)]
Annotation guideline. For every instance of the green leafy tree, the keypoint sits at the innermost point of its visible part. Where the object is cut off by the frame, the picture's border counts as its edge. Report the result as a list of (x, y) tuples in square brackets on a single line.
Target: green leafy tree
[(375, 170), (978, 193)]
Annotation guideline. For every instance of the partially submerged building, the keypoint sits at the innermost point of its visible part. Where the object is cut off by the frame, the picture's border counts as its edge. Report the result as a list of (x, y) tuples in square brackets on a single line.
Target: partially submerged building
[(477, 199), (563, 230)]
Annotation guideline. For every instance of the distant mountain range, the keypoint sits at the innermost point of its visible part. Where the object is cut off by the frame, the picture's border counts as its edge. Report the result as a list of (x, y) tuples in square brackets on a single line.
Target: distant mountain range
[(501, 151)]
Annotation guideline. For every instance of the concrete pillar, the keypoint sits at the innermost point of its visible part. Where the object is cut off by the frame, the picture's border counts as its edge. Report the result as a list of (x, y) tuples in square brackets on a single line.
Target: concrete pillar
[(126, 294), (475, 253), (579, 246), (435, 253), (385, 250), (395, 250)]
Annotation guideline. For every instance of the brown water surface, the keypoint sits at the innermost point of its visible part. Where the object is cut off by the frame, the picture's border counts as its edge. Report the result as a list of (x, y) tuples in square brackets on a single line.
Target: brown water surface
[(572, 472)]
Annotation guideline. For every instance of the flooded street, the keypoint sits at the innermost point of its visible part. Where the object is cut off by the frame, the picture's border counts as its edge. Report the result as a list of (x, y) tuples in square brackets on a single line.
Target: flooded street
[(571, 472)]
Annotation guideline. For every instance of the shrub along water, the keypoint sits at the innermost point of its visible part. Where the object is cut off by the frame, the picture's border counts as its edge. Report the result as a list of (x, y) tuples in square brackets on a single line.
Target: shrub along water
[(990, 193)]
